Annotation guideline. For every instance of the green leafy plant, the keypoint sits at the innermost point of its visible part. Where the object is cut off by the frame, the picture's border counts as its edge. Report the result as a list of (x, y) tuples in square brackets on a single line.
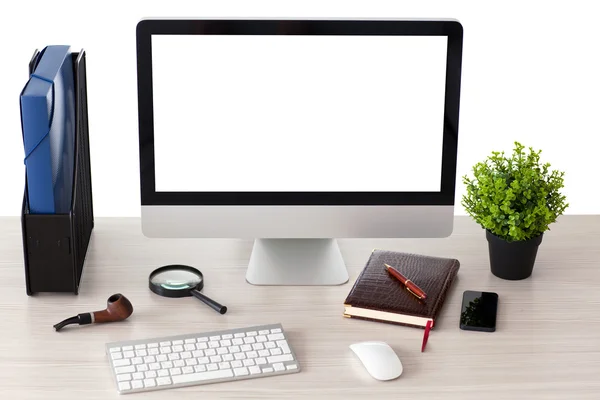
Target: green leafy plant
[(516, 198)]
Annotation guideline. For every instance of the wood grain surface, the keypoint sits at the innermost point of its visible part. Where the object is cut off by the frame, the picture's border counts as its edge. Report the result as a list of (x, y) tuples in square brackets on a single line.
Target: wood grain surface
[(547, 343)]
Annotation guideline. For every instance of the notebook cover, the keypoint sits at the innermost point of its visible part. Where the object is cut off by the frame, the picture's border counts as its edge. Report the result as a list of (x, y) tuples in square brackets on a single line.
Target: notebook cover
[(47, 105), (376, 289)]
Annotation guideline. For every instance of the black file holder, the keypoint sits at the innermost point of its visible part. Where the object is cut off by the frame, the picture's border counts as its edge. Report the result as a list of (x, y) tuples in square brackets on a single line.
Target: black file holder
[(55, 245)]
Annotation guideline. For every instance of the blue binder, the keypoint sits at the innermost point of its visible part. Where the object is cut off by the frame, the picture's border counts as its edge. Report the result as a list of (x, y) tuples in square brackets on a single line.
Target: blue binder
[(48, 123)]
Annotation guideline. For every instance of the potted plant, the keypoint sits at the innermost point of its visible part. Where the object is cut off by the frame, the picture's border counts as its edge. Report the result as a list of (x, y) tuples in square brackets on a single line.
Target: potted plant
[(514, 199)]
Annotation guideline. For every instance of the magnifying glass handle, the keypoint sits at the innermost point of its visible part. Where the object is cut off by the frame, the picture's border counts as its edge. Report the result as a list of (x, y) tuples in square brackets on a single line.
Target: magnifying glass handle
[(210, 302)]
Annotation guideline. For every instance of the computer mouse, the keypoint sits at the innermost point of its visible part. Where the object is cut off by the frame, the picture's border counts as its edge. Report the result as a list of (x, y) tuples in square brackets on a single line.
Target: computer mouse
[(379, 359)]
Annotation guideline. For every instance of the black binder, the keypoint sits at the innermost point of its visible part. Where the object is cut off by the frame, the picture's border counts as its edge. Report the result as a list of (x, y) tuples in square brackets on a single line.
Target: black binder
[(55, 245)]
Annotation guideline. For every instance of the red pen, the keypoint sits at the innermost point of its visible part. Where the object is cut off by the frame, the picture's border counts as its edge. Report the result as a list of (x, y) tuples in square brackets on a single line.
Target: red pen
[(410, 286)]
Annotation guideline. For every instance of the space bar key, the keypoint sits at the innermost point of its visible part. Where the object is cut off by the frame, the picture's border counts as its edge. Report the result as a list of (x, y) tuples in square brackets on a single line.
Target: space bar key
[(202, 376)]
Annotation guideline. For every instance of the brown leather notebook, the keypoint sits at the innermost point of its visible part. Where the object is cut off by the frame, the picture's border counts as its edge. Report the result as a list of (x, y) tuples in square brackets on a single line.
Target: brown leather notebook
[(378, 296)]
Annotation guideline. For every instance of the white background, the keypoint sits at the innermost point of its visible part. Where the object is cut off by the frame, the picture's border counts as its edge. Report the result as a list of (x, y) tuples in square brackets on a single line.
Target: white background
[(531, 72), (298, 113)]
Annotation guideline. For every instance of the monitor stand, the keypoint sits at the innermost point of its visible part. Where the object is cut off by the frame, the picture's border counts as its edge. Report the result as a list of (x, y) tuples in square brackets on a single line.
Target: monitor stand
[(295, 262)]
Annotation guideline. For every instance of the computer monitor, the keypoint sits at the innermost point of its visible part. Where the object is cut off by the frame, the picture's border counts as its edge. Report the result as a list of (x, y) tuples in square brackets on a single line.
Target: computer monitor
[(298, 132)]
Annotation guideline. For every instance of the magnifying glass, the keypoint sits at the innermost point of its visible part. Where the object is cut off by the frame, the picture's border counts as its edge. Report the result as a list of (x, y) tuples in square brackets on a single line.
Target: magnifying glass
[(181, 281)]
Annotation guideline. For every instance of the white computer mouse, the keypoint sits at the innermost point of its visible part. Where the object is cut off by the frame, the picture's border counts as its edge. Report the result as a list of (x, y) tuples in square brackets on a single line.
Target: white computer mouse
[(379, 359)]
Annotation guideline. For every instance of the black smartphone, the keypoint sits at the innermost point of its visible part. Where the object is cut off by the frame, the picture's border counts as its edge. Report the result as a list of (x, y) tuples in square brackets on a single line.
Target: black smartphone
[(479, 311)]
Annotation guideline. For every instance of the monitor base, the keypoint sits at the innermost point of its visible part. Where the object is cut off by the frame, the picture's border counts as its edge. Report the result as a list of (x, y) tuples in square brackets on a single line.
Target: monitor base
[(296, 262)]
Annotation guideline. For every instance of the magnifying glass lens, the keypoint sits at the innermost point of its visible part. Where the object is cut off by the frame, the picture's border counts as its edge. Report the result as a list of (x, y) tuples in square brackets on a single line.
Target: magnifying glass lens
[(175, 279)]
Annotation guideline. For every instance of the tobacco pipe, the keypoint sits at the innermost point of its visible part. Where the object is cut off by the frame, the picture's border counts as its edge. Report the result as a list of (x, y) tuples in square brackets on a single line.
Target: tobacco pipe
[(118, 308)]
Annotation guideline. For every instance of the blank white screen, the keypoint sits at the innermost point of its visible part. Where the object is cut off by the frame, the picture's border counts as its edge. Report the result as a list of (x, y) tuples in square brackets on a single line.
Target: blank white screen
[(298, 113)]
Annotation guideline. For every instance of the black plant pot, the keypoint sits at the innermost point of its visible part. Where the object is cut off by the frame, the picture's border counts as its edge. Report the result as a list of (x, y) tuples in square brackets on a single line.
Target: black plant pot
[(512, 260)]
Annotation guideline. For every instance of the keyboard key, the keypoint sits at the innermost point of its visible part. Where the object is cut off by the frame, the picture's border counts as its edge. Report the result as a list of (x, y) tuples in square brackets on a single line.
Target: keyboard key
[(265, 370), (202, 376), (163, 381), (246, 347), (175, 371), (251, 333), (153, 351), (137, 375), (276, 351), (222, 350), (187, 370), (261, 339), (292, 366), (177, 349), (263, 332), (261, 361), (152, 345), (154, 366), (174, 356), (249, 340), (213, 345), (258, 346), (278, 367), (125, 370), (201, 346), (210, 352), (228, 336), (240, 371), (240, 356), (167, 365), (114, 350), (239, 335), (270, 345), (234, 349), (281, 358), (254, 370), (187, 341), (150, 374), (251, 354), (198, 353), (128, 354), (165, 344), (202, 339), (137, 384), (276, 336), (227, 357), (149, 382), (161, 357), (121, 363), (276, 330), (123, 377), (248, 362), (137, 361), (191, 361), (237, 341), (189, 347), (177, 342), (165, 350), (212, 367), (203, 360), (213, 338), (142, 368), (225, 343), (140, 346), (179, 363), (216, 359), (163, 372), (224, 365), (200, 368), (116, 356), (185, 355), (236, 364), (149, 360), (127, 348), (264, 353), (124, 386)]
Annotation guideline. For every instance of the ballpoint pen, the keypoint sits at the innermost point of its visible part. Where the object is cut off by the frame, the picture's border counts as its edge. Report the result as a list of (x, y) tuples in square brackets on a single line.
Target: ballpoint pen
[(410, 286)]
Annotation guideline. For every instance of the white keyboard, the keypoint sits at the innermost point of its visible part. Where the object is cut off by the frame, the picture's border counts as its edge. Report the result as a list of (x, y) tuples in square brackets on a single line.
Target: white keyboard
[(197, 359)]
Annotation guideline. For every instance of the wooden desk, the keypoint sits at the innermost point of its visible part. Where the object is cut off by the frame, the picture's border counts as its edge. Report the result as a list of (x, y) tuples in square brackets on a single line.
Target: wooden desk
[(547, 344)]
